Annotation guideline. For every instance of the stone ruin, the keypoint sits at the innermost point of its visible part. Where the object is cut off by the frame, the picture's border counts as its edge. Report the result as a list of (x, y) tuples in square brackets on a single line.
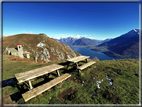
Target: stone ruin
[(18, 51)]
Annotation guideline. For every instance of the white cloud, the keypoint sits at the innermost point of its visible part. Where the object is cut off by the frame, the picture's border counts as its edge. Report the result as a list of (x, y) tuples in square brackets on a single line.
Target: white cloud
[(5, 35), (70, 34), (78, 36), (30, 32), (61, 35), (58, 36), (103, 38)]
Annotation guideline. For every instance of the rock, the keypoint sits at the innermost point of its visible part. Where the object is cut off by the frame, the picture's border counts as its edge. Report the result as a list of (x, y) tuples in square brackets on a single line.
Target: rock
[(46, 52), (62, 56), (41, 45), (41, 57), (52, 49), (68, 56)]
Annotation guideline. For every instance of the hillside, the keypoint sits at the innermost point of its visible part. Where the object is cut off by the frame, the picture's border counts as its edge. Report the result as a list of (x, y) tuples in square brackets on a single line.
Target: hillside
[(126, 45), (40, 46), (123, 88)]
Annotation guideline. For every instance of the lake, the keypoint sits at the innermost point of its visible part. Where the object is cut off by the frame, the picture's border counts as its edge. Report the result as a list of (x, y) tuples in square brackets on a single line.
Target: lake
[(88, 52)]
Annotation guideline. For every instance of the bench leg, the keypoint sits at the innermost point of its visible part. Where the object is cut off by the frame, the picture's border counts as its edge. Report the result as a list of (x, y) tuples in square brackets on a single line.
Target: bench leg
[(76, 65), (26, 84), (68, 65), (58, 72), (86, 60), (30, 84), (79, 72)]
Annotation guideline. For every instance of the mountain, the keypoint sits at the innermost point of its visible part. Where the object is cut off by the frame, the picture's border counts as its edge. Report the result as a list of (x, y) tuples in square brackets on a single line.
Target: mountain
[(40, 46), (126, 45), (81, 41), (85, 41), (102, 41), (106, 40), (68, 40)]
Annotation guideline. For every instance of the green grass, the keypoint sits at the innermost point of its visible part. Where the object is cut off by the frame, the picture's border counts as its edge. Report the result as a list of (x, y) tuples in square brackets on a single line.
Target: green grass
[(126, 83)]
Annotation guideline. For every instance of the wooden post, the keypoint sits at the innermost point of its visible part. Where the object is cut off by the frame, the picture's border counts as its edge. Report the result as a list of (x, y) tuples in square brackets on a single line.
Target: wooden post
[(30, 84), (86, 60), (68, 65), (76, 65), (48, 75), (58, 72), (79, 72)]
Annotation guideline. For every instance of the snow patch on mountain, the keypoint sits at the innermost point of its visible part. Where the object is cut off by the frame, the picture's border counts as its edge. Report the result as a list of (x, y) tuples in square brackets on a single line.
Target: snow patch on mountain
[(135, 30), (69, 37)]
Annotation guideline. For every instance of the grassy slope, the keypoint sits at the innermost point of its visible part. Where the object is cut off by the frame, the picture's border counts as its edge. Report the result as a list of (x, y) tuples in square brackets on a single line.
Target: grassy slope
[(126, 83)]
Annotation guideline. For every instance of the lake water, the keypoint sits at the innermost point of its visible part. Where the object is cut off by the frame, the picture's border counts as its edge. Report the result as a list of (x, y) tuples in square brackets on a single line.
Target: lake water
[(88, 52)]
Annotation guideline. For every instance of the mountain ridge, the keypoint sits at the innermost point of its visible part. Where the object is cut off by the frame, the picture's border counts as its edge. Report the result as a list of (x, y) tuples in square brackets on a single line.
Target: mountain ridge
[(126, 45), (81, 41)]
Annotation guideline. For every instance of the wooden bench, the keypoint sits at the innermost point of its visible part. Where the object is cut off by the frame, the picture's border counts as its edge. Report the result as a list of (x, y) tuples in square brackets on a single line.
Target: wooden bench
[(77, 59), (36, 91), (28, 75), (85, 66)]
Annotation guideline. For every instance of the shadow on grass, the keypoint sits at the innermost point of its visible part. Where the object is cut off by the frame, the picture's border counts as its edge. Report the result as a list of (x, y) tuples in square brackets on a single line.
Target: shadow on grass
[(64, 63), (43, 82), (9, 82), (71, 70), (110, 97), (24, 87), (16, 96)]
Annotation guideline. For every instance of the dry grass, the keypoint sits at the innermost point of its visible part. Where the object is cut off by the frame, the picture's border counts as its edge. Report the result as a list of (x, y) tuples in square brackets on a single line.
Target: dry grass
[(96, 59)]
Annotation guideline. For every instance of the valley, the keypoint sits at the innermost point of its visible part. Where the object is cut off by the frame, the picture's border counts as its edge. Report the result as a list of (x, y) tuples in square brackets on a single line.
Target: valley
[(124, 46)]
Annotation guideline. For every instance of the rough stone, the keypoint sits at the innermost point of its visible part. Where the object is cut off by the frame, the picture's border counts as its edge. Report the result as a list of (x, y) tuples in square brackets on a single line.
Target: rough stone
[(41, 45), (68, 56), (62, 55), (46, 52), (52, 49)]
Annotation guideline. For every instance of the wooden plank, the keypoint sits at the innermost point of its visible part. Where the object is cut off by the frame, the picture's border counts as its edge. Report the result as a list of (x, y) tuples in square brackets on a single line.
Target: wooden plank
[(21, 77), (77, 59), (86, 65), (74, 58), (36, 91)]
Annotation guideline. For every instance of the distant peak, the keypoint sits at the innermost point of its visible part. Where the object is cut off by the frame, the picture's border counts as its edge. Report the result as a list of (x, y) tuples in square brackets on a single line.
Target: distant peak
[(79, 37), (135, 30)]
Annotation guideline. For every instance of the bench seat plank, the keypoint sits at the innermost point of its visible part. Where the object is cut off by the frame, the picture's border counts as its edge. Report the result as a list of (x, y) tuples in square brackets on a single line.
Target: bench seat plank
[(36, 91), (21, 77), (77, 59), (86, 65)]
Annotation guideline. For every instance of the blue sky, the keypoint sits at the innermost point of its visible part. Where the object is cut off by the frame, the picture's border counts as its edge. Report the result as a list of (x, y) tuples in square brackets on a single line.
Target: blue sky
[(92, 20)]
